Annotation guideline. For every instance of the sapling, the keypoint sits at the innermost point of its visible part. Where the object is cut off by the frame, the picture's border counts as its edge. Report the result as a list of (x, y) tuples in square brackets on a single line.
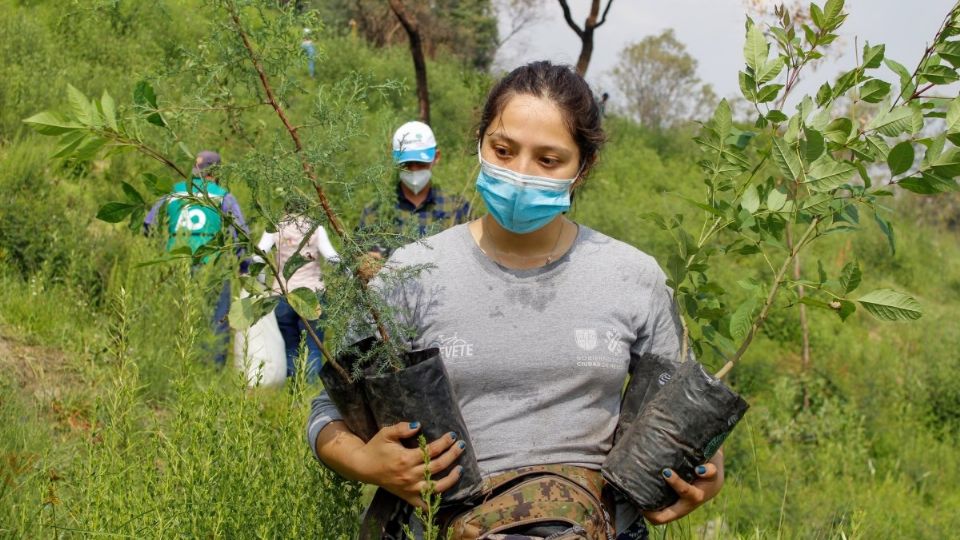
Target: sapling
[(772, 192)]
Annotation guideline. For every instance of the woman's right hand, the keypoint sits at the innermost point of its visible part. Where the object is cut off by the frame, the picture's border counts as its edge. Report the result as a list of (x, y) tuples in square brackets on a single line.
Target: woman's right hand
[(385, 462)]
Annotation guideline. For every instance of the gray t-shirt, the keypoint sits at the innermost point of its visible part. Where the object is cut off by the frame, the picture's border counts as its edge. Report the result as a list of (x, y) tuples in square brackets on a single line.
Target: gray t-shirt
[(537, 357)]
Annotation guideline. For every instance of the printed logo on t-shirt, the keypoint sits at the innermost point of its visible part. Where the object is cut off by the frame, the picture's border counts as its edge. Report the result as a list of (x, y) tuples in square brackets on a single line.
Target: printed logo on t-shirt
[(614, 341), (607, 357), (452, 346), (586, 338)]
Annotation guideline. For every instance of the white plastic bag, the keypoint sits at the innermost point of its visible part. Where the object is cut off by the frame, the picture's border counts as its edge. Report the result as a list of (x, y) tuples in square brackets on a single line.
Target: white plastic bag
[(260, 353)]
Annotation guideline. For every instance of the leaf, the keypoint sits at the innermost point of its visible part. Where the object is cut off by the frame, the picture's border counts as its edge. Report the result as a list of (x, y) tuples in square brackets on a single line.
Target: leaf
[(814, 144), (69, 143), (769, 70), (873, 56), (742, 320), (890, 305), (818, 203), (838, 131), (953, 116), (776, 199), (305, 302), (847, 308), (748, 87), (88, 150), (939, 75), (948, 163), (850, 277), (776, 116), (950, 51), (892, 123), (873, 91), (146, 99), (887, 229), (156, 185), (900, 158), (115, 212), (751, 200), (109, 110), (48, 123), (768, 93), (824, 94), (878, 146), (755, 49), (79, 105), (132, 194), (827, 174), (722, 119), (294, 263), (786, 159), (832, 12), (928, 183)]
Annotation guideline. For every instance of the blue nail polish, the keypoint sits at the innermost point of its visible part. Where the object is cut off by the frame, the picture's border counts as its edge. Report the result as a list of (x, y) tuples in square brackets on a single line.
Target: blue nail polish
[(460, 468), (414, 425), (667, 473), (453, 435), (463, 444), (701, 469)]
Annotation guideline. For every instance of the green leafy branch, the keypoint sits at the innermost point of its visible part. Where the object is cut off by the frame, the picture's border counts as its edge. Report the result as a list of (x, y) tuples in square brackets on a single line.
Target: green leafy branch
[(802, 171)]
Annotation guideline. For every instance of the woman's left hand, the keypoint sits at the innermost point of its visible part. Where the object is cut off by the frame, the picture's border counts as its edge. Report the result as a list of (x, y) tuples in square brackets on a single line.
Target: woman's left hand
[(692, 495)]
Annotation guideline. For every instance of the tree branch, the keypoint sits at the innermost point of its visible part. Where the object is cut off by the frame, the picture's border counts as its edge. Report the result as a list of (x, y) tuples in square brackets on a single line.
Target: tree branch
[(603, 18), (569, 18), (777, 281), (307, 167)]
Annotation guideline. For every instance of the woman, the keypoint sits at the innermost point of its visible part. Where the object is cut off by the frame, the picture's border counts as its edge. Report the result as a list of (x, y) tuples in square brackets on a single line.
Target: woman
[(296, 234), (536, 318)]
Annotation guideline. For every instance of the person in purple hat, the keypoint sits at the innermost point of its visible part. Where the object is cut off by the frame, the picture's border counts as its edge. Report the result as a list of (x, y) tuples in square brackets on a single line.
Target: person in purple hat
[(195, 224)]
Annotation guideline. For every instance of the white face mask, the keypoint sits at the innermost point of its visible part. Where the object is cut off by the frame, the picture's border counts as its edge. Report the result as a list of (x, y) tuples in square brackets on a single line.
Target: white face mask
[(415, 180)]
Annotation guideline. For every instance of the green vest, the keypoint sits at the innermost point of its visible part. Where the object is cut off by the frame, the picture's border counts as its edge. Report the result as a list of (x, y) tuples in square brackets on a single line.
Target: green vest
[(194, 222)]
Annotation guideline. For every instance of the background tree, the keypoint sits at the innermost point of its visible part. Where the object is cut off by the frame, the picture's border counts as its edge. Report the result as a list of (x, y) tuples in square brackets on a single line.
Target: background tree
[(659, 81), (585, 33), (464, 29), (412, 28)]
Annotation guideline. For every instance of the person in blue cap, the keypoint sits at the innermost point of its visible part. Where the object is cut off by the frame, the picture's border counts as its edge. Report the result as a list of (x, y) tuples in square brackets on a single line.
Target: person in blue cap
[(420, 207), (194, 224)]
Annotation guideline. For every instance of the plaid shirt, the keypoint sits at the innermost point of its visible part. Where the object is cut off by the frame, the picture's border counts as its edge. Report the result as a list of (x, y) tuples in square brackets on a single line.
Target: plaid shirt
[(403, 222)]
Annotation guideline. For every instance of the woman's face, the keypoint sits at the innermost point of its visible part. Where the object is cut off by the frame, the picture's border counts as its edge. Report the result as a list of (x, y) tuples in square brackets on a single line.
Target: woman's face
[(529, 136)]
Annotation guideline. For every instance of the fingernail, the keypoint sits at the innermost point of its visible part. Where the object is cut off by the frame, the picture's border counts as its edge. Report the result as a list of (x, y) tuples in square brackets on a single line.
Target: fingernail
[(460, 469), (414, 425), (667, 473), (453, 435), (463, 444), (701, 469)]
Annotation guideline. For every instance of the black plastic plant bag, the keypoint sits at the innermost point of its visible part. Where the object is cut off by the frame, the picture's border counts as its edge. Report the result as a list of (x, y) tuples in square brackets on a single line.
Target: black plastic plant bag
[(422, 392), (681, 427), (350, 397), (648, 374)]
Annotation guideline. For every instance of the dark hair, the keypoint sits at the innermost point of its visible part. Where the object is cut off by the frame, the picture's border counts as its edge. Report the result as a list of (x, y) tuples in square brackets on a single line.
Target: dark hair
[(562, 85)]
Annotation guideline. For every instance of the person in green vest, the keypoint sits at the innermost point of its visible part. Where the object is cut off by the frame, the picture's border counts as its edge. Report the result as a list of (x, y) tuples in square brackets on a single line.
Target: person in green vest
[(193, 223)]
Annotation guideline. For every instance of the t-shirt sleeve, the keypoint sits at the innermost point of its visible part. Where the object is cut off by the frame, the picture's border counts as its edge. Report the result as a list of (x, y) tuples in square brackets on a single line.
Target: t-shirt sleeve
[(323, 245), (661, 332), (322, 412)]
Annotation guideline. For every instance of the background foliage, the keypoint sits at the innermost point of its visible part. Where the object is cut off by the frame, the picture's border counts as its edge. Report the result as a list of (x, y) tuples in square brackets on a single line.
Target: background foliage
[(113, 423)]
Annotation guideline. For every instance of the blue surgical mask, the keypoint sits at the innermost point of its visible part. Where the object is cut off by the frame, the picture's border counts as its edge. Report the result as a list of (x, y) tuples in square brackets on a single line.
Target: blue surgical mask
[(522, 203)]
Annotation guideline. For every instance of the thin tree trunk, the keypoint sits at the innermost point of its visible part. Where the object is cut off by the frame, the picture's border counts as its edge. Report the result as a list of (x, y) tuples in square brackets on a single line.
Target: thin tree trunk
[(419, 63), (804, 326), (586, 33)]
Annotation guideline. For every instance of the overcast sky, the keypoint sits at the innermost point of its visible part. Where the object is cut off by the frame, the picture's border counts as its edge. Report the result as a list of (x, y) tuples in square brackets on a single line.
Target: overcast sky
[(713, 31)]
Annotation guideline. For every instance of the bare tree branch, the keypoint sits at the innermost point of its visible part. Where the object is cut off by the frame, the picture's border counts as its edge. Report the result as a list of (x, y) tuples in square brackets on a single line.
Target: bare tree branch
[(569, 18), (606, 10)]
